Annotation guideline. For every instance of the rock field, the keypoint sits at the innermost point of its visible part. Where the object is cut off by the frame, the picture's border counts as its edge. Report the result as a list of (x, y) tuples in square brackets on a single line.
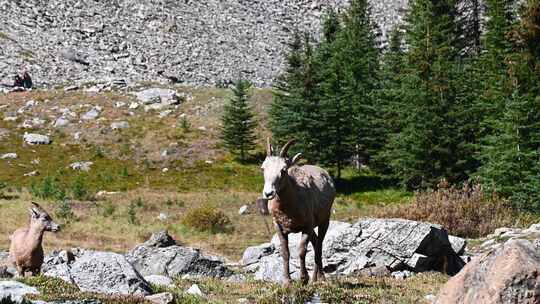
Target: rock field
[(193, 42)]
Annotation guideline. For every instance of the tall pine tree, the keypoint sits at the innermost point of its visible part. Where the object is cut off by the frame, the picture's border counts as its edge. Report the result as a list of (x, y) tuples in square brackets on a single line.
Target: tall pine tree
[(512, 155), (294, 109), (238, 123), (430, 146)]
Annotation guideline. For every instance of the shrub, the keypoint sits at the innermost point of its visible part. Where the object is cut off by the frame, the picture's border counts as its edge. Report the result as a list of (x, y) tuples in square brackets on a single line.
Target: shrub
[(79, 189), (132, 213), (185, 125), (2, 187), (49, 188), (64, 211), (467, 211), (107, 209), (207, 218)]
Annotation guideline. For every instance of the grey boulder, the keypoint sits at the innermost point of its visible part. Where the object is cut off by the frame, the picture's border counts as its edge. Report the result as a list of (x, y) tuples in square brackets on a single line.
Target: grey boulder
[(355, 249), (95, 271), (160, 256), (36, 139), (15, 291), (158, 95)]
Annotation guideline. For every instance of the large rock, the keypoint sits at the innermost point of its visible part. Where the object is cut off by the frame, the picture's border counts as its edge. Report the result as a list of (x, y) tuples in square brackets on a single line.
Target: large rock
[(95, 271), (157, 95), (353, 249), (508, 274), (15, 290), (36, 139), (160, 256)]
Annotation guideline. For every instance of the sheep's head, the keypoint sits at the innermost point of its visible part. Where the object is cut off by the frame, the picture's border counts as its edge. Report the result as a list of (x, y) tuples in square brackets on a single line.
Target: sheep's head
[(275, 169), (40, 219)]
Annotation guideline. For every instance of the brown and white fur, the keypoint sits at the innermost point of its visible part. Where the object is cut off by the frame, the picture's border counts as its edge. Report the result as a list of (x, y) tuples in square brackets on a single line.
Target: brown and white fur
[(300, 199), (26, 250)]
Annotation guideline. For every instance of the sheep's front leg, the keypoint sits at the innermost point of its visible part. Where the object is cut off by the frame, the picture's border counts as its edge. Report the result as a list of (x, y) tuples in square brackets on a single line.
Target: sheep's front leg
[(302, 251), (284, 241)]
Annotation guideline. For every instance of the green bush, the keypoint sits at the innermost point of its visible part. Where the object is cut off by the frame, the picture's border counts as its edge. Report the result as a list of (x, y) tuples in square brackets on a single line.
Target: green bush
[(107, 209), (64, 211), (79, 189), (207, 218), (132, 213), (49, 188)]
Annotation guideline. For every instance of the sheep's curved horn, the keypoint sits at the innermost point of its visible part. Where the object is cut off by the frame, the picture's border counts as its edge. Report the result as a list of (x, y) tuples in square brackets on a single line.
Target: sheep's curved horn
[(285, 148), (269, 150), (296, 158)]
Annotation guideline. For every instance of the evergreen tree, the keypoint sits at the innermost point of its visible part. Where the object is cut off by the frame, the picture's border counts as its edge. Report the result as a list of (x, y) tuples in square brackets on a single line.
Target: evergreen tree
[(348, 66), (391, 117), (512, 155), (431, 144), (238, 124), (358, 53), (294, 109)]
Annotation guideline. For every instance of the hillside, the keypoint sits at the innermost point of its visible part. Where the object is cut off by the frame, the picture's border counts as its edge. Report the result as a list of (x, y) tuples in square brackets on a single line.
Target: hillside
[(192, 42)]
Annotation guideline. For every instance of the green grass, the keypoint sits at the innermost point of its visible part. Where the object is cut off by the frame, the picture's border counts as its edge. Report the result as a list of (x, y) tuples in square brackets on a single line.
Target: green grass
[(343, 290)]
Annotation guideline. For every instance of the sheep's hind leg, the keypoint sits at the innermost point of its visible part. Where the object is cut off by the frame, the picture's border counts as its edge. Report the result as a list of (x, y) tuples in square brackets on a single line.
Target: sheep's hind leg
[(285, 254), (302, 251), (321, 233)]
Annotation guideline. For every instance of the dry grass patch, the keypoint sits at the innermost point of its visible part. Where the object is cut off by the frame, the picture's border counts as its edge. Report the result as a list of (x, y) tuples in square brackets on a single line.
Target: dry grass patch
[(121, 221), (467, 211)]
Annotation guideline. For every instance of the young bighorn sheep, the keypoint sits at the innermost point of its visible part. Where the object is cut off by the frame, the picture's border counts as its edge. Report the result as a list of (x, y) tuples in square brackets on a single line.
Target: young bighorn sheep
[(300, 199), (26, 251)]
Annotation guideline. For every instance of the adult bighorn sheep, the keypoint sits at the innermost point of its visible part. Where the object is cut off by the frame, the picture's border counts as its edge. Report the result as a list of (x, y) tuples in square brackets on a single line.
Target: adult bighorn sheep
[(26, 250), (300, 199)]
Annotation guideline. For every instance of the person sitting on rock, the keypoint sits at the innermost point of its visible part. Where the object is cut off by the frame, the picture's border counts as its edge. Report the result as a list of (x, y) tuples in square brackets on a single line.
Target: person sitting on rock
[(17, 81), (26, 80)]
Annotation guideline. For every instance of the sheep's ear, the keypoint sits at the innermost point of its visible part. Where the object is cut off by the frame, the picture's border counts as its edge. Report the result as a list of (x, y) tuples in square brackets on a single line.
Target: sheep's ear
[(296, 159), (269, 149), (33, 212)]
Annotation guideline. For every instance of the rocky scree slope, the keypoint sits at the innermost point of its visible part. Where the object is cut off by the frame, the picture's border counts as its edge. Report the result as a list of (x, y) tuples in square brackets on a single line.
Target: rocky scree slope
[(195, 42)]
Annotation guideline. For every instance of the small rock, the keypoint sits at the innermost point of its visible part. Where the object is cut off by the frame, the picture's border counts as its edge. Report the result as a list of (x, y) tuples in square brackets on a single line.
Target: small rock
[(71, 88), (165, 113), (401, 275), (9, 156), (161, 298), (163, 217), (209, 162), (36, 139), (81, 166), (77, 135), (134, 106), (203, 128), (195, 290), (60, 122), (243, 210), (119, 125), (91, 115), (119, 104), (10, 118), (33, 173), (159, 280), (165, 170)]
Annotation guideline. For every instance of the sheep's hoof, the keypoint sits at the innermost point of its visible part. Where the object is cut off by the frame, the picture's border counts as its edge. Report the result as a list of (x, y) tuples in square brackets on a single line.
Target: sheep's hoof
[(287, 283)]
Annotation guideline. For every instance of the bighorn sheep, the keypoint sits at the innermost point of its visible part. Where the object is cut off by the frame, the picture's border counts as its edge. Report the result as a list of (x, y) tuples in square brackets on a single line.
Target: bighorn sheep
[(300, 199), (26, 251)]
